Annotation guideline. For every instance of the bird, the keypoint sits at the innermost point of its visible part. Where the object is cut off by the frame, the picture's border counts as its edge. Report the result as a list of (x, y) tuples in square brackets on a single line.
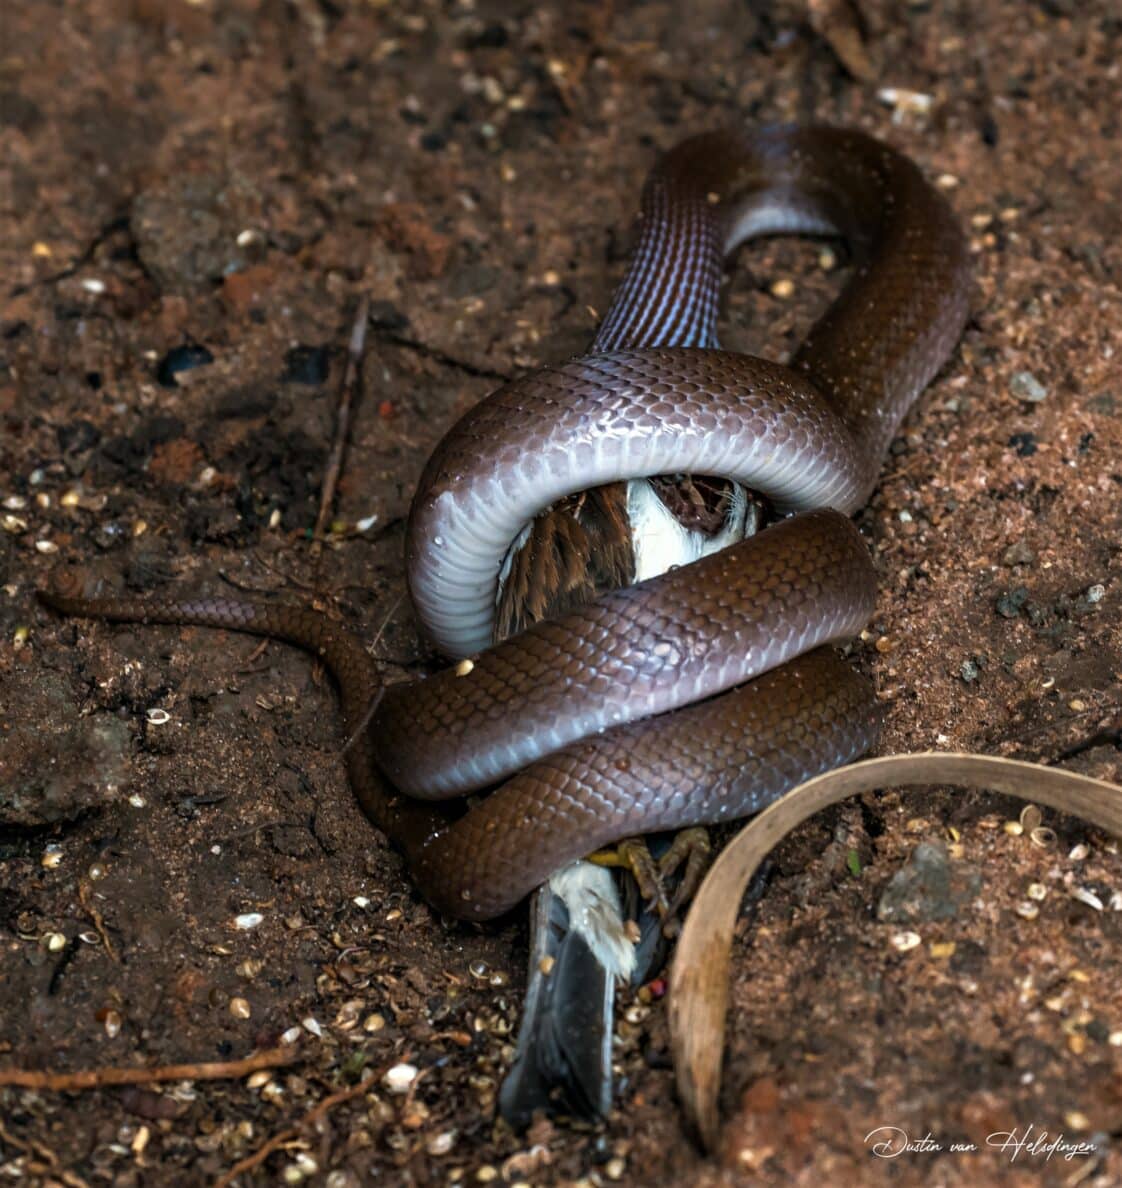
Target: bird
[(591, 928)]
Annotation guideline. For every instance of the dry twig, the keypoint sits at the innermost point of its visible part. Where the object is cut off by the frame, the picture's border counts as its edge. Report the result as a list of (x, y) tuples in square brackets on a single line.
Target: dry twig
[(278, 1140), (343, 419), (98, 922), (102, 1078)]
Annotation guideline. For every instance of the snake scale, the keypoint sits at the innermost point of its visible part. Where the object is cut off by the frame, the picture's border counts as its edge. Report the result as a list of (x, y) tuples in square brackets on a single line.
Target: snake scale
[(700, 695)]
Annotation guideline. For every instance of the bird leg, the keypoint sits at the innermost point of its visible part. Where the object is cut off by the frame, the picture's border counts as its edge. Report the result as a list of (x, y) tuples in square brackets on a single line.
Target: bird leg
[(688, 853)]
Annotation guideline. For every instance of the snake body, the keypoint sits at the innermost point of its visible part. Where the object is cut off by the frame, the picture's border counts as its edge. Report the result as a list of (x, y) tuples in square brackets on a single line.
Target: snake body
[(703, 694)]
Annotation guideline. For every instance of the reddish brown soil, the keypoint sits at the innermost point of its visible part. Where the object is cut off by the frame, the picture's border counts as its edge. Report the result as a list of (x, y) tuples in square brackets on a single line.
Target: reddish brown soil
[(234, 176)]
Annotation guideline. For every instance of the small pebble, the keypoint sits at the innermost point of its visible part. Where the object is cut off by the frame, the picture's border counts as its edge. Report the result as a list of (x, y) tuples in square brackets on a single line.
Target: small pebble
[(1096, 593), (1025, 386), (1076, 1120), (1028, 910), (614, 1168), (487, 1174), (1078, 852), (827, 259), (783, 288), (373, 1023), (943, 949), (1008, 605), (1037, 891), (1018, 553), (312, 1025), (240, 1008), (248, 920), (442, 1143), (903, 941), (905, 101), (400, 1078)]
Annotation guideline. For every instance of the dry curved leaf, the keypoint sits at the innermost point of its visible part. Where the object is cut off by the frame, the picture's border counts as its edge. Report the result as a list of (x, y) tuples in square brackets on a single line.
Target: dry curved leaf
[(699, 976)]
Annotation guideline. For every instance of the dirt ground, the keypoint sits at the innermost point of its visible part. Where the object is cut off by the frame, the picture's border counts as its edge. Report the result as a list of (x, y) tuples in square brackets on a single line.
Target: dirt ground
[(194, 195)]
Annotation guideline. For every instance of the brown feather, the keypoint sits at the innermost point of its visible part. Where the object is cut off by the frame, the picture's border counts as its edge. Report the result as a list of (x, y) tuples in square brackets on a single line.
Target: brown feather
[(577, 550)]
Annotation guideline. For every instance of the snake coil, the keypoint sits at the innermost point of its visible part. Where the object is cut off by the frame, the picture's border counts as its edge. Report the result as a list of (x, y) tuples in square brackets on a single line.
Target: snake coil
[(705, 693)]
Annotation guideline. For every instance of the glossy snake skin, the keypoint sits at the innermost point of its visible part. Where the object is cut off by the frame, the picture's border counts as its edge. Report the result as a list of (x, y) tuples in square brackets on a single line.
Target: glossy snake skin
[(703, 694)]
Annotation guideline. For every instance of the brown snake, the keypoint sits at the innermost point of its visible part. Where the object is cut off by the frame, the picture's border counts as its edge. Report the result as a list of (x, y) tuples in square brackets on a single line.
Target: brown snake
[(703, 694)]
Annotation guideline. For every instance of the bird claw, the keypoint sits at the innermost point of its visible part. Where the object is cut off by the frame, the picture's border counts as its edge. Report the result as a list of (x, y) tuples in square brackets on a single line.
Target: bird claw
[(688, 853)]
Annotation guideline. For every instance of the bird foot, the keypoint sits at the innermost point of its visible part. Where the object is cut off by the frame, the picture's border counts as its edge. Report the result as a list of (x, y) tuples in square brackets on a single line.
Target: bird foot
[(687, 857)]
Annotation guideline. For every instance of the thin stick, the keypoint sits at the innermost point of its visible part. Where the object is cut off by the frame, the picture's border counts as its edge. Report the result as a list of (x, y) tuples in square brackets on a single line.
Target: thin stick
[(342, 419), (99, 923), (100, 1078), (39, 1151), (286, 1136)]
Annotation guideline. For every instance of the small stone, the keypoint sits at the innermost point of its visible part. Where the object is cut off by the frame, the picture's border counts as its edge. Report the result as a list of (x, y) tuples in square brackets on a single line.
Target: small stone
[(1018, 553), (1095, 594), (783, 288), (400, 1078), (248, 920), (240, 1008), (968, 670), (441, 1144), (1025, 386), (903, 941), (1008, 606), (928, 887)]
